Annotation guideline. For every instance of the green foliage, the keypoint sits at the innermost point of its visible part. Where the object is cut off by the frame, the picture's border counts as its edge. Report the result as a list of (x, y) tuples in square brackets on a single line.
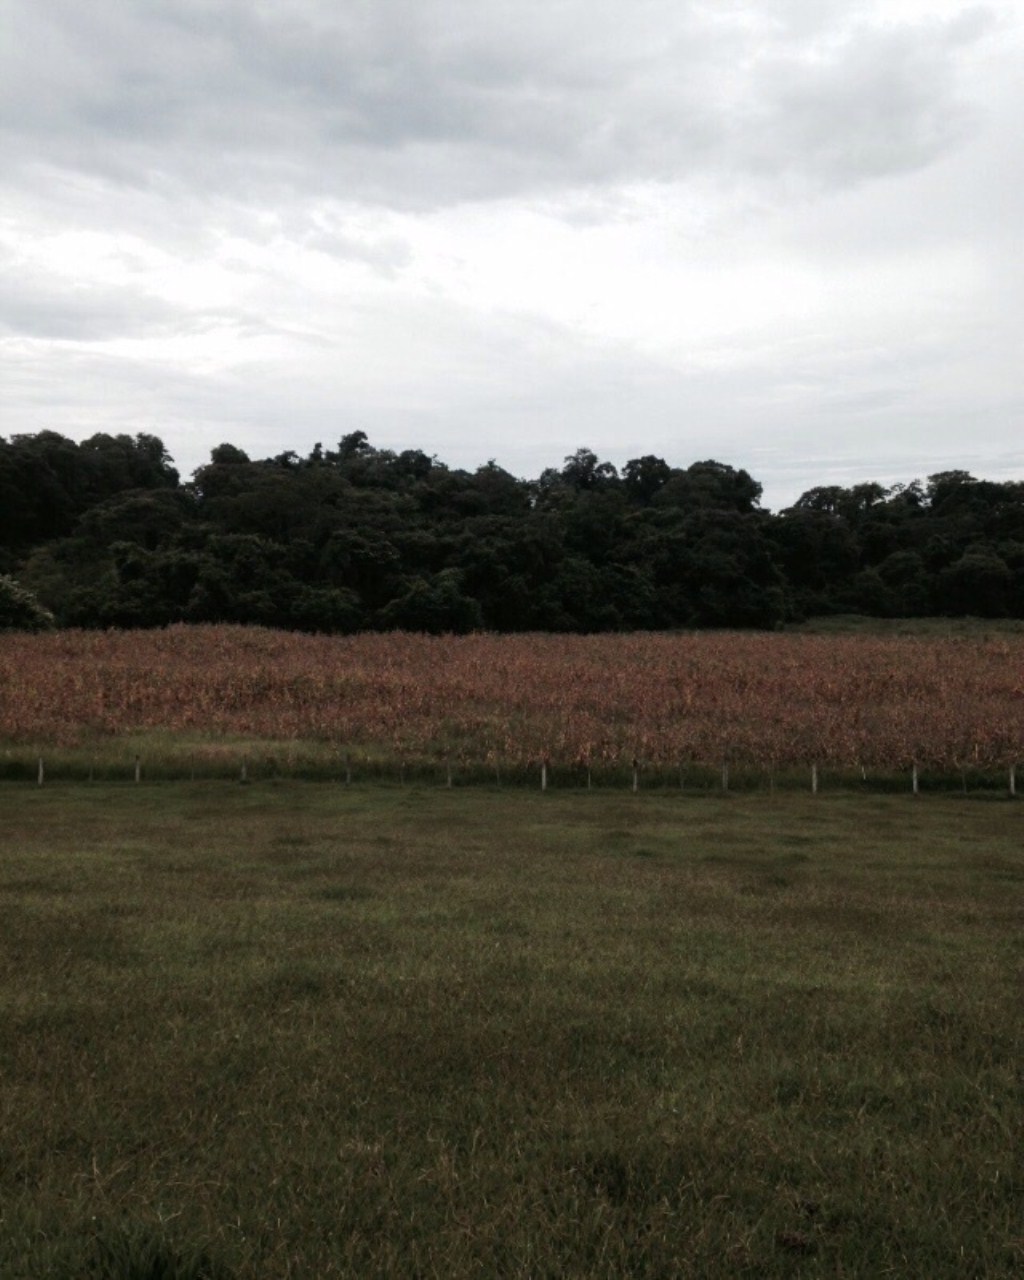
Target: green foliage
[(979, 583), (436, 605), (104, 534), (19, 608)]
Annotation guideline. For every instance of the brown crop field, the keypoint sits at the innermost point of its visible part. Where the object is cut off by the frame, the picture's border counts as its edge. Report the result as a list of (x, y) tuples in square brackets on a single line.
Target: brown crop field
[(763, 700)]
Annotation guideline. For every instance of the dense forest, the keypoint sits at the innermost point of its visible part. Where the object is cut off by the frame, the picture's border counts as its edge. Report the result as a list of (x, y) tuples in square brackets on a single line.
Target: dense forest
[(104, 533)]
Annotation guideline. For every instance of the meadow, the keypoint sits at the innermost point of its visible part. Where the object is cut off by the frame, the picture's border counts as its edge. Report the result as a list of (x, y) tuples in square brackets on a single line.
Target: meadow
[(295, 1030)]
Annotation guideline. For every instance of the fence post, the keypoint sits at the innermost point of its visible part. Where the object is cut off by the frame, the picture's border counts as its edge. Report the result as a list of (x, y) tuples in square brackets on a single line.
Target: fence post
[(636, 775), (138, 768), (1013, 779), (543, 775), (40, 776), (914, 779), (814, 779)]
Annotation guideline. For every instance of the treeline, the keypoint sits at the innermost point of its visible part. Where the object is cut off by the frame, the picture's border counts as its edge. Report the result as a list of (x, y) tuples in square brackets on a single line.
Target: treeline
[(105, 534)]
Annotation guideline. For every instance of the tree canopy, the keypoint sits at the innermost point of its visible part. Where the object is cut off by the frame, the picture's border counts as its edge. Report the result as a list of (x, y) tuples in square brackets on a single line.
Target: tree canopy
[(105, 533)]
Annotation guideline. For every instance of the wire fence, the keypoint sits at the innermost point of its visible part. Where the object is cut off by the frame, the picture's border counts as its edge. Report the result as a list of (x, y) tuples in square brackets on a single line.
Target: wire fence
[(354, 769)]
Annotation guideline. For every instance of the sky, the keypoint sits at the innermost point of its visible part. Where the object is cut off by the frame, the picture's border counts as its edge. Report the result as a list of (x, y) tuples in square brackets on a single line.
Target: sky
[(783, 234)]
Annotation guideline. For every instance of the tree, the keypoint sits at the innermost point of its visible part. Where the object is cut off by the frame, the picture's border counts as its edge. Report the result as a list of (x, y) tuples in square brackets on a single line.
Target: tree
[(948, 488), (583, 470), (436, 605), (711, 485), (242, 578), (19, 608), (643, 477), (852, 505), (226, 455), (329, 609), (354, 445), (149, 517), (909, 583), (818, 554), (979, 583), (126, 462)]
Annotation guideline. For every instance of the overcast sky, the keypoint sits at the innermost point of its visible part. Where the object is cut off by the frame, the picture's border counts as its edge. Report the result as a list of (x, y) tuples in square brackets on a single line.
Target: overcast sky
[(785, 234)]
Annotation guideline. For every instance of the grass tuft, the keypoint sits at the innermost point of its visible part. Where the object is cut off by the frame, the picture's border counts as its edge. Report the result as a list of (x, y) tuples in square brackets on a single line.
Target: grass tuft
[(136, 1252)]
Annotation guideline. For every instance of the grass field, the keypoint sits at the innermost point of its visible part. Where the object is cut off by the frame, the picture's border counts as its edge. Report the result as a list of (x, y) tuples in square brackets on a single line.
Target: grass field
[(291, 1030)]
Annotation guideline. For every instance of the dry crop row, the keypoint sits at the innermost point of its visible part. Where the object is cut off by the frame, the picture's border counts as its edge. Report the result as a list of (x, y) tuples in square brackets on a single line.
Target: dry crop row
[(776, 700)]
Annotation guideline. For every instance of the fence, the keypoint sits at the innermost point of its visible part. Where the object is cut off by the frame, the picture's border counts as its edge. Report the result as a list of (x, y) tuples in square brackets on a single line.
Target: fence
[(350, 768)]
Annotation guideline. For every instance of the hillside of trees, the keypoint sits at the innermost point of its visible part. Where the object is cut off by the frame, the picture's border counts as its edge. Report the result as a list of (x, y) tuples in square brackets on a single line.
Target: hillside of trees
[(104, 533)]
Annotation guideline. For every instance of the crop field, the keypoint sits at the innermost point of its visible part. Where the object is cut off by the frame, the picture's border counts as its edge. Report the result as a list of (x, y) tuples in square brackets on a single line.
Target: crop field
[(769, 702), (286, 1030)]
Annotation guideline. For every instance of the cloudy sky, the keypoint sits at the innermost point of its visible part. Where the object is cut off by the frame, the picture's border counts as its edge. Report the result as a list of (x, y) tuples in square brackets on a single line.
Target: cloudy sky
[(785, 234)]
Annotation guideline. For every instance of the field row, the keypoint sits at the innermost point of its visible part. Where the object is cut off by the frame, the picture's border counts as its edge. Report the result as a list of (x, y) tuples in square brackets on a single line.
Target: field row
[(769, 701)]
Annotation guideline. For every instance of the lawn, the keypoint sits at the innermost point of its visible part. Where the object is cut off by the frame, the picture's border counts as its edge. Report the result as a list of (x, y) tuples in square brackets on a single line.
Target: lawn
[(300, 1030)]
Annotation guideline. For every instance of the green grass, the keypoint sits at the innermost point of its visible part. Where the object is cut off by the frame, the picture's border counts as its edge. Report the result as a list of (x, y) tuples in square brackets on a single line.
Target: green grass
[(863, 624), (308, 1031), (157, 756)]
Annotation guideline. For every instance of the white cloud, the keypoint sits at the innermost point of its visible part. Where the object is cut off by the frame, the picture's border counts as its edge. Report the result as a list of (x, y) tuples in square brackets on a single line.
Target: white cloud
[(417, 104), (782, 233)]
